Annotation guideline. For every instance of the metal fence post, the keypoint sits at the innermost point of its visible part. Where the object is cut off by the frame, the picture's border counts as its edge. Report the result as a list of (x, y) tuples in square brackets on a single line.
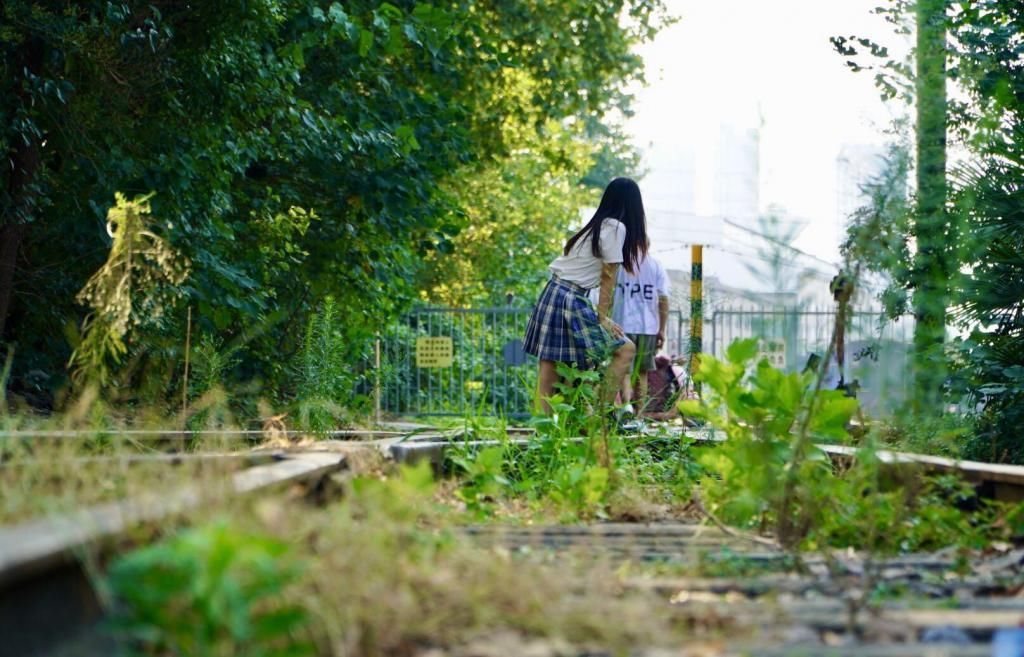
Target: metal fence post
[(376, 382), (696, 306)]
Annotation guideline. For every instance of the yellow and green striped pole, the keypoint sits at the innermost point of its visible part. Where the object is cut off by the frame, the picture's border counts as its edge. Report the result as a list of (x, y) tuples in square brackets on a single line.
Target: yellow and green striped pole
[(696, 306)]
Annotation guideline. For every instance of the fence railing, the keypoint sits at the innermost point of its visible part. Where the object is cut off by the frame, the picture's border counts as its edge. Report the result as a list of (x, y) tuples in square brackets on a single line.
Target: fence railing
[(877, 353), (488, 373), (471, 361)]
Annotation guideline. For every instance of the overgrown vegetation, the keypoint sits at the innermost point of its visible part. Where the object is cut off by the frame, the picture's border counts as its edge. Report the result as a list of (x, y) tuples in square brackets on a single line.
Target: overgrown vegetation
[(578, 465), (45, 476), (259, 189), (381, 575), (969, 259), (210, 591), (298, 150), (771, 475)]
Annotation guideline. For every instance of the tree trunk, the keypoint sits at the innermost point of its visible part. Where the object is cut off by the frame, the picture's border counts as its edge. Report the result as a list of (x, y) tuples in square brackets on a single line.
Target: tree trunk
[(931, 266), (10, 240), (25, 163)]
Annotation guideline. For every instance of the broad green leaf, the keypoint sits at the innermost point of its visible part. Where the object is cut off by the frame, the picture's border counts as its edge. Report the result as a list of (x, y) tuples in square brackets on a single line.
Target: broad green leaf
[(692, 408), (833, 414), (365, 42), (740, 352)]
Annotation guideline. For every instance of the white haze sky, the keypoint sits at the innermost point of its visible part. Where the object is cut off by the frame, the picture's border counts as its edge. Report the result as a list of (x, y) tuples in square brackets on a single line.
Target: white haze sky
[(766, 62)]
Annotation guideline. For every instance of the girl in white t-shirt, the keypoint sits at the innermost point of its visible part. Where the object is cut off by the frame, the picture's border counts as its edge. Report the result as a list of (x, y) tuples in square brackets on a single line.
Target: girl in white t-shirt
[(564, 327)]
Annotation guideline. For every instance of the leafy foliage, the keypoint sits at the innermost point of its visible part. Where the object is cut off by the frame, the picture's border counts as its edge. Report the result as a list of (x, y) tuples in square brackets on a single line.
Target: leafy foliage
[(513, 215), (768, 475), (212, 363), (578, 465), (878, 233), (990, 194), (209, 591), (126, 291), (982, 238), (763, 412), (299, 149), (323, 377)]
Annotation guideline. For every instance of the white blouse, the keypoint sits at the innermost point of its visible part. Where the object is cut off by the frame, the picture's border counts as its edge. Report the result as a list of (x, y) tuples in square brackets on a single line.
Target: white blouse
[(581, 267)]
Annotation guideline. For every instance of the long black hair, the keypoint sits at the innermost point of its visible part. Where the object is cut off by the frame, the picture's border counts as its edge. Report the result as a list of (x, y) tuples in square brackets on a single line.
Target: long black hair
[(622, 201)]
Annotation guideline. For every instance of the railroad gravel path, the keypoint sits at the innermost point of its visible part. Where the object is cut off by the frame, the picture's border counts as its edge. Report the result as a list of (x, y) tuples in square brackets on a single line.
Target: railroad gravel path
[(740, 598)]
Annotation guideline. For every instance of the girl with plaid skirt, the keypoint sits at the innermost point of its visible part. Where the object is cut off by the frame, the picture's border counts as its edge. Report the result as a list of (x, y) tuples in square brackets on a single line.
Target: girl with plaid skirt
[(564, 326)]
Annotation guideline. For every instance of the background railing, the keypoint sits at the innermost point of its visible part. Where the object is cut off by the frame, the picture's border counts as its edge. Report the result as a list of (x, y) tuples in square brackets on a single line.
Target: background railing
[(490, 375)]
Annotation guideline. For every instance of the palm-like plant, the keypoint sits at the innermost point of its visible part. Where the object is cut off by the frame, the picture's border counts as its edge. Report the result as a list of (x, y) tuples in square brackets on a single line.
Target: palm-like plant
[(991, 294)]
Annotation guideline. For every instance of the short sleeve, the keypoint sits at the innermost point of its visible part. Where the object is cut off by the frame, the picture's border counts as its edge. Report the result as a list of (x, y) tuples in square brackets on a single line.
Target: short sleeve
[(664, 284), (613, 237)]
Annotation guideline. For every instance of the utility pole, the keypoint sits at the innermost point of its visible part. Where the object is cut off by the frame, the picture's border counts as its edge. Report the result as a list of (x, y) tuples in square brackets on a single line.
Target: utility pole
[(931, 271), (696, 308)]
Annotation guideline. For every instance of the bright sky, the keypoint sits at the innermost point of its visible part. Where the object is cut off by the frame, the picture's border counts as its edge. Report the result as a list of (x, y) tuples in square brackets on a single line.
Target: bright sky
[(746, 63)]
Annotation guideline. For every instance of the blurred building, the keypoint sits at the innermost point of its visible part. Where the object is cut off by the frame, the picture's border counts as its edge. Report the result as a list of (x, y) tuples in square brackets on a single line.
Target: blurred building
[(738, 175), (856, 165), (670, 179)]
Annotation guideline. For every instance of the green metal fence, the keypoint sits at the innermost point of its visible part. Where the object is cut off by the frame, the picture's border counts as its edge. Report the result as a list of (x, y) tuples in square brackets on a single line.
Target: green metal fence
[(488, 373), (877, 353)]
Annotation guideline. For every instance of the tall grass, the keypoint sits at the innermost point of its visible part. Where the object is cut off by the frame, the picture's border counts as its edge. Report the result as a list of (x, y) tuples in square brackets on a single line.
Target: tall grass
[(382, 576), (325, 379), (577, 466)]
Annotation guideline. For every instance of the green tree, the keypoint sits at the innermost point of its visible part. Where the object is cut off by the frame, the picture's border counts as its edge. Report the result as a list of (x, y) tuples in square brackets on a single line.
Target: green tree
[(932, 270), (975, 249), (992, 302), (514, 216), (774, 262), (297, 149), (989, 197)]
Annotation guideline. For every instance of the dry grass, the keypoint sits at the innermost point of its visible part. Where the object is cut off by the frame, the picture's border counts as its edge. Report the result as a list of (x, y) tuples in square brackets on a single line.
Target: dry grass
[(91, 454), (45, 476), (384, 577), (383, 574)]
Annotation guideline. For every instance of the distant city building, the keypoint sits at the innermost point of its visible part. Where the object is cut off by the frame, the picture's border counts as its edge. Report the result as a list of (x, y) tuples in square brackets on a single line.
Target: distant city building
[(750, 255), (738, 175), (856, 165), (670, 179)]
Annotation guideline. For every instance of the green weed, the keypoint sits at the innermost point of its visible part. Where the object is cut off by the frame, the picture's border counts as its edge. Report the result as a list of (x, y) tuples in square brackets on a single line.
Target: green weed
[(323, 374), (769, 475), (577, 466), (210, 591), (381, 574)]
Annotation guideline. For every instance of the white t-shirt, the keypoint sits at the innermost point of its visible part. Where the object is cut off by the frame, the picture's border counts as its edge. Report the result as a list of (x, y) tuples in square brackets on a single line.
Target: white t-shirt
[(635, 308), (581, 267)]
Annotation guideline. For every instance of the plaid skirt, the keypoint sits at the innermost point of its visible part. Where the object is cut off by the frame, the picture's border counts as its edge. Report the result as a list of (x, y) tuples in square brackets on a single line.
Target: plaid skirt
[(564, 327)]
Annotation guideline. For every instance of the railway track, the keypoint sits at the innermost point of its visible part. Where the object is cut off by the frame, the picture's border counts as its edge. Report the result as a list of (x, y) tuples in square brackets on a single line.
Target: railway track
[(48, 605), (940, 609), (992, 480)]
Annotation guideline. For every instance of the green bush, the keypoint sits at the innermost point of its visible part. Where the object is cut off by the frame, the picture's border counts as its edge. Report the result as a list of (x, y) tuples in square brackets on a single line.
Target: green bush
[(769, 473), (209, 591), (325, 379), (577, 463)]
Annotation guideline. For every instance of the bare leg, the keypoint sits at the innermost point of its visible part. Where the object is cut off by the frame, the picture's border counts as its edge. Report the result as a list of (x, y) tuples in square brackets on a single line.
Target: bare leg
[(641, 387), (547, 377), (622, 362)]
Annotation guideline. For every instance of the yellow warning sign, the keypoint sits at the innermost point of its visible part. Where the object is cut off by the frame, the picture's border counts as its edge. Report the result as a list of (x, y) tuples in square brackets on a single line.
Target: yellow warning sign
[(774, 351), (434, 352)]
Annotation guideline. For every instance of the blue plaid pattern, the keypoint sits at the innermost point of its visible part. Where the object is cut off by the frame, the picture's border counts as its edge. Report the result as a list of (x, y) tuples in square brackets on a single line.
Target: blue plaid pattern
[(564, 327)]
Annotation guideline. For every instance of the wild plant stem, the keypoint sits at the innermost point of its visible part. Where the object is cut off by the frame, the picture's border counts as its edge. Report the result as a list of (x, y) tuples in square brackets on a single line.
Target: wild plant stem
[(188, 350), (800, 445), (729, 531)]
